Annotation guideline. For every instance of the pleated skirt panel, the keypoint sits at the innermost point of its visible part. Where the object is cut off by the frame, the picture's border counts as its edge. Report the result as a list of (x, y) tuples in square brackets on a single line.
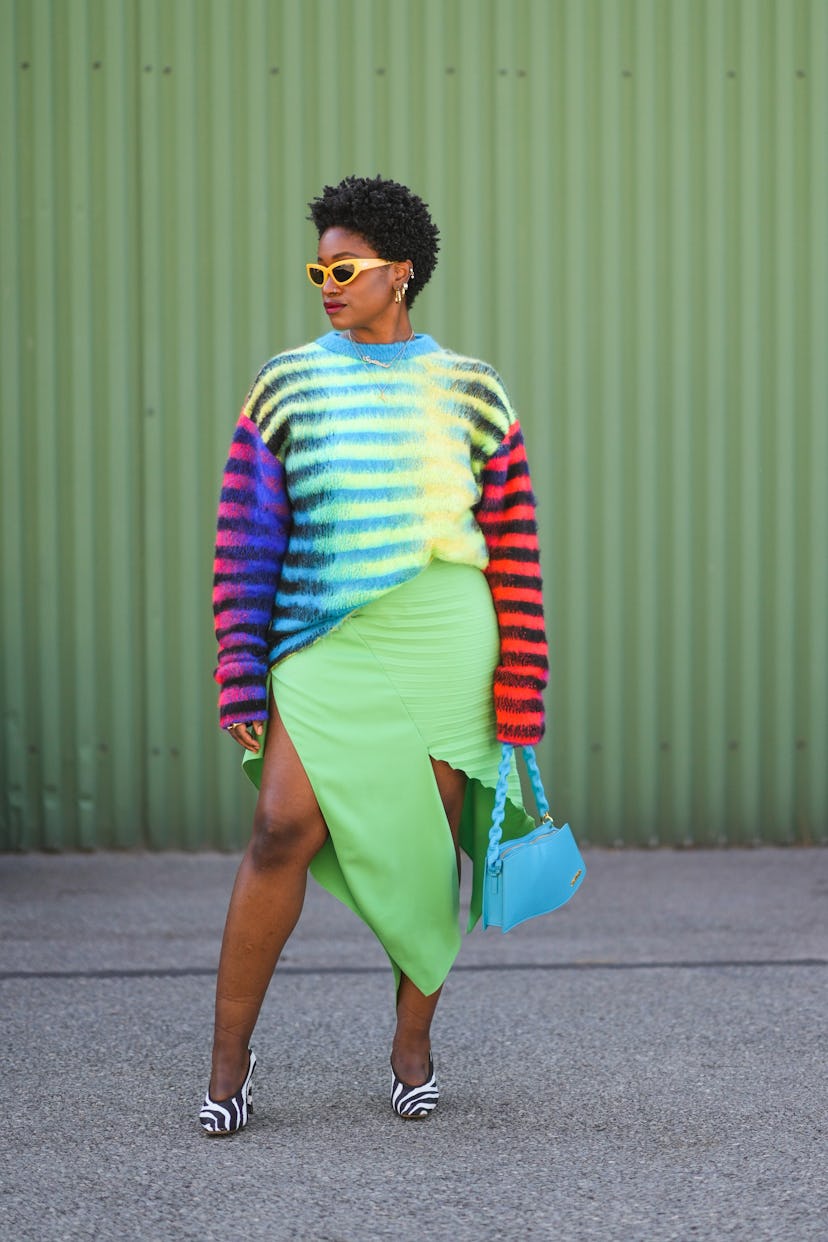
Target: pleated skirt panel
[(404, 680)]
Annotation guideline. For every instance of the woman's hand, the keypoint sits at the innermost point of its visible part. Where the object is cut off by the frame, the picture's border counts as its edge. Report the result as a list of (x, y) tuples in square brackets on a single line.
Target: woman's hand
[(247, 734)]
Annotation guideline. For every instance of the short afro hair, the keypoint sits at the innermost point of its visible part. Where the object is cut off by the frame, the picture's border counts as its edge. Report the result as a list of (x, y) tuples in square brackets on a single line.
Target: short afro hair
[(391, 219)]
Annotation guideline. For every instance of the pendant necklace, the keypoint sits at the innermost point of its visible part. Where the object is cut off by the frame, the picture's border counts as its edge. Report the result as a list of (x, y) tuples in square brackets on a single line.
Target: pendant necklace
[(386, 366)]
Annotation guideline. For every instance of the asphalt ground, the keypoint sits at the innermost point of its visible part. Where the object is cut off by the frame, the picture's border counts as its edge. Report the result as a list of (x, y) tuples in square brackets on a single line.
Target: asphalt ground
[(647, 1063)]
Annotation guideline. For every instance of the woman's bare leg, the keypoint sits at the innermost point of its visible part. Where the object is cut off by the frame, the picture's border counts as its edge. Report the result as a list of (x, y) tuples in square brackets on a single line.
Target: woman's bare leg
[(412, 1039), (267, 899)]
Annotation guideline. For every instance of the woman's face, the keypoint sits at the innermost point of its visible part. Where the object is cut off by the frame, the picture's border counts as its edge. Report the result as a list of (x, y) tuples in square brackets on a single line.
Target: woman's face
[(365, 305)]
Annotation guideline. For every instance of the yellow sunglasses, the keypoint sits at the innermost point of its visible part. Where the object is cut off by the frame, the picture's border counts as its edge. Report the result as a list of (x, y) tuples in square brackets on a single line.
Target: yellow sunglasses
[(342, 272)]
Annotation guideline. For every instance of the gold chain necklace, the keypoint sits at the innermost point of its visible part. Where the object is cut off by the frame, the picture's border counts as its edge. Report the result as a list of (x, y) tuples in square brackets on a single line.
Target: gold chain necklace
[(376, 362)]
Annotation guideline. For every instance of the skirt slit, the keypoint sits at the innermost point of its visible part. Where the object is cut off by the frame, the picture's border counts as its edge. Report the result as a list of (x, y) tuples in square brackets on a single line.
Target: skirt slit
[(404, 680)]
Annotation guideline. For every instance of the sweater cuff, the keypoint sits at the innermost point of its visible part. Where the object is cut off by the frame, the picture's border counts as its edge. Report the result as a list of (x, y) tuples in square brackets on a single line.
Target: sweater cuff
[(520, 716), (241, 702), (524, 734)]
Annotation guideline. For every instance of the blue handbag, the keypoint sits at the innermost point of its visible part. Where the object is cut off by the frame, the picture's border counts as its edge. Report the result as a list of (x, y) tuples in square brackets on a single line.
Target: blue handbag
[(533, 874)]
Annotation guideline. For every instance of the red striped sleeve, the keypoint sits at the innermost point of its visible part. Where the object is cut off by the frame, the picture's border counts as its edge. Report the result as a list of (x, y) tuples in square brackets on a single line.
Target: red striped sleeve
[(506, 515), (253, 527)]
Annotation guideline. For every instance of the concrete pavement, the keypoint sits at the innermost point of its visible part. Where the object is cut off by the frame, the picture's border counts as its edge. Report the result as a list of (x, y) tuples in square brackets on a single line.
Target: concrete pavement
[(648, 1063)]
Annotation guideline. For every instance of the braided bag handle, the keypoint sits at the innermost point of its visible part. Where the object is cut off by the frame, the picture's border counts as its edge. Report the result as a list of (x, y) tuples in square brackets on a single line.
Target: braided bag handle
[(496, 831)]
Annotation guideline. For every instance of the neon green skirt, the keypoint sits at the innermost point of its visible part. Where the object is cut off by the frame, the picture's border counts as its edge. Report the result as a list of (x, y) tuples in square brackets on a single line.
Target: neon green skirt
[(404, 679)]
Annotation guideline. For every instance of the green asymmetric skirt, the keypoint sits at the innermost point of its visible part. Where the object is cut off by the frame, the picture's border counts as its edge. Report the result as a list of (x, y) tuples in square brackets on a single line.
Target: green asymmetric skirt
[(406, 678)]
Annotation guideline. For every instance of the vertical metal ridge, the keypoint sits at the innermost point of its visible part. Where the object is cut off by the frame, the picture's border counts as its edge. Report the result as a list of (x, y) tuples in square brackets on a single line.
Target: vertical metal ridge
[(155, 261), (745, 466), (713, 534), (42, 523), (676, 777), (640, 552), (577, 745), (79, 583), (810, 813), (116, 341), (776, 597), (17, 817)]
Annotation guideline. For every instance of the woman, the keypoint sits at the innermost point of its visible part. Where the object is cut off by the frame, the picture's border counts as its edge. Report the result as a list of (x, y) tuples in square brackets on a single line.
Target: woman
[(380, 630)]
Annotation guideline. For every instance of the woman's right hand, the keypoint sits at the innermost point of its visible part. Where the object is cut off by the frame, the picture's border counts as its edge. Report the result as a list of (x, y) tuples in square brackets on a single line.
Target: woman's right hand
[(247, 734)]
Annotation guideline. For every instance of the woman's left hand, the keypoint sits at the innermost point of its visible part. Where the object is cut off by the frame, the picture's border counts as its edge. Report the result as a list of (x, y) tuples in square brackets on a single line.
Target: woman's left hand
[(247, 734)]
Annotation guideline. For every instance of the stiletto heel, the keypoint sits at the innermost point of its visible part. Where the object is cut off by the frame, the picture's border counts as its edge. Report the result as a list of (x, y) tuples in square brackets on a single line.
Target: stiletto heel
[(414, 1103), (220, 1117)]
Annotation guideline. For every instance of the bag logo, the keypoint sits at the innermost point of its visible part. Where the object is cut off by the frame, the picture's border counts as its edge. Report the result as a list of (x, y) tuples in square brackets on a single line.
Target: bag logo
[(576, 877)]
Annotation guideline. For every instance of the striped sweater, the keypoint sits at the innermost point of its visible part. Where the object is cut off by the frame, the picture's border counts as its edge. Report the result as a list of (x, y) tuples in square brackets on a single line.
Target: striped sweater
[(343, 481)]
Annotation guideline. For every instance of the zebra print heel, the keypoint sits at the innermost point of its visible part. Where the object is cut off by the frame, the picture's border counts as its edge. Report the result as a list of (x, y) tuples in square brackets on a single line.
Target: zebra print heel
[(414, 1103), (220, 1117)]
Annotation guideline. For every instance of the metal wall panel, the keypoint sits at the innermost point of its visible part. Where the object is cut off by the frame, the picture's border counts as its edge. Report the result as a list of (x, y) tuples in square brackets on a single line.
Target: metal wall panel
[(633, 202)]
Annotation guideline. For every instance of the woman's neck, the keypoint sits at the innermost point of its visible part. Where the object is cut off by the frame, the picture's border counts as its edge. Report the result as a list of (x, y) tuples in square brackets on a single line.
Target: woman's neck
[(386, 333)]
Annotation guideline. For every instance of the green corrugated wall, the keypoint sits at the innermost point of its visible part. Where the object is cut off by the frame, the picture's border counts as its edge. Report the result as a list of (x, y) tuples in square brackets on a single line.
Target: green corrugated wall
[(633, 197)]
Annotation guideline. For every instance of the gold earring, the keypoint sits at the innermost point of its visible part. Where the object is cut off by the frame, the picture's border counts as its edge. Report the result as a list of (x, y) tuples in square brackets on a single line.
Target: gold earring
[(398, 295)]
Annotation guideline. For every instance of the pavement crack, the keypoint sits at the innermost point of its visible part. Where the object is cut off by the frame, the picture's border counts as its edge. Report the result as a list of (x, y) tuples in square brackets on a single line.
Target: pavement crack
[(194, 972)]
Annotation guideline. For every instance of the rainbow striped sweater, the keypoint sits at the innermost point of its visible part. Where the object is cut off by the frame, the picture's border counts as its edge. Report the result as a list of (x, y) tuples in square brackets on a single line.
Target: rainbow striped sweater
[(343, 481)]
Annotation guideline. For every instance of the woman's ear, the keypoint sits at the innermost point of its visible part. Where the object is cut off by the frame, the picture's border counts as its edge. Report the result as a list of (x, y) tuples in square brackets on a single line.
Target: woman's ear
[(403, 272)]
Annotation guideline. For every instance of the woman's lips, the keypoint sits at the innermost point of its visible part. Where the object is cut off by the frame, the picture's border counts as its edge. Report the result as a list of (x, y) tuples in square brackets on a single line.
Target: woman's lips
[(332, 307)]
